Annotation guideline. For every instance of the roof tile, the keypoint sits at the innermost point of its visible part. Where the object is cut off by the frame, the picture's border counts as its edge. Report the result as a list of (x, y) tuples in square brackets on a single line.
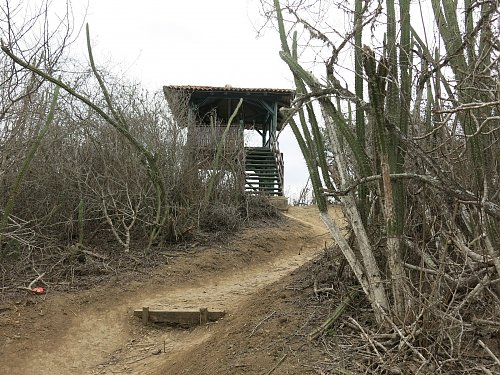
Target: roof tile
[(227, 88)]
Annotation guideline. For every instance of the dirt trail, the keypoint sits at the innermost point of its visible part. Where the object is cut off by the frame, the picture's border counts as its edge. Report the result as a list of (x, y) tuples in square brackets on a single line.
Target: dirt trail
[(102, 336)]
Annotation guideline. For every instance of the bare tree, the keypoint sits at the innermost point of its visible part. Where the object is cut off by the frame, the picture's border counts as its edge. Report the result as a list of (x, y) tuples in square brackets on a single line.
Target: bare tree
[(110, 160)]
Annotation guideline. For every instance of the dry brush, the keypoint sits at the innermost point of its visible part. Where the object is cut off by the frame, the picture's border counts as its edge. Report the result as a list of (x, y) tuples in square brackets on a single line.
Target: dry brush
[(412, 154)]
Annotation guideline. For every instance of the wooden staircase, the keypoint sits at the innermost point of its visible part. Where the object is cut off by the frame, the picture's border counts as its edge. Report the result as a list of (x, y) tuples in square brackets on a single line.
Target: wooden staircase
[(263, 171)]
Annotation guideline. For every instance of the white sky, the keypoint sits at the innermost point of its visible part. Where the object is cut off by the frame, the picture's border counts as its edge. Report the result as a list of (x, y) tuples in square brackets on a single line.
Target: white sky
[(201, 42), (195, 42)]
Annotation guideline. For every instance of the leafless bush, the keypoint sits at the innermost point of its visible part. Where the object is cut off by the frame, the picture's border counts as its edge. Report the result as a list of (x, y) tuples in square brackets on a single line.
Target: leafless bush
[(259, 209), (87, 177), (113, 164), (220, 217)]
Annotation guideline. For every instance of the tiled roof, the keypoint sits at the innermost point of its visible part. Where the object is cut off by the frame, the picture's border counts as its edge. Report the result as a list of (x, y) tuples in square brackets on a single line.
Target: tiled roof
[(228, 88)]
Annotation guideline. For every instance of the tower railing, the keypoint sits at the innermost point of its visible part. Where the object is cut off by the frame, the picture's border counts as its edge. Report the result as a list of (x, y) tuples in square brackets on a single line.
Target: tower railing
[(207, 136)]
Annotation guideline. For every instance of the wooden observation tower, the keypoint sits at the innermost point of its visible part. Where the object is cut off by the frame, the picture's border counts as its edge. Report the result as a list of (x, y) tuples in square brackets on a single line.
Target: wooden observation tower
[(209, 111)]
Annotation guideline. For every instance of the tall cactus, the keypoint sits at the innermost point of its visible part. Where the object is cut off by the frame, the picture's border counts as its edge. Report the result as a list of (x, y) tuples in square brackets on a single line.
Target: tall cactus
[(376, 89), (392, 106), (397, 114), (358, 89), (458, 51), (449, 30), (380, 151), (364, 265)]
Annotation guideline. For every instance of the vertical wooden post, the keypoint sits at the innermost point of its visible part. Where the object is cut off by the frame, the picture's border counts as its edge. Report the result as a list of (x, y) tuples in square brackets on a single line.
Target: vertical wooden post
[(274, 125), (203, 315), (145, 315)]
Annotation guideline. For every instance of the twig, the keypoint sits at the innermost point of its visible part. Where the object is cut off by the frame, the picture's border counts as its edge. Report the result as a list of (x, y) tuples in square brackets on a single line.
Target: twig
[(173, 255), (336, 314), (341, 371), (79, 248), (35, 280), (486, 322), (485, 370), (404, 340), (373, 343), (317, 290), (95, 255), (480, 286), (490, 353), (260, 323), (277, 364)]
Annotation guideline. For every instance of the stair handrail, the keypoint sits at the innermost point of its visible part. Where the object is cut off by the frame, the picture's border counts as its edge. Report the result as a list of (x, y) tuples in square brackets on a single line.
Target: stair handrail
[(278, 158)]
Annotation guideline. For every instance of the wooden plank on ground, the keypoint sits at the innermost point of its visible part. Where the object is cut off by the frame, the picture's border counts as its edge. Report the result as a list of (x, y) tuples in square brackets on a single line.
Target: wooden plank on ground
[(179, 317)]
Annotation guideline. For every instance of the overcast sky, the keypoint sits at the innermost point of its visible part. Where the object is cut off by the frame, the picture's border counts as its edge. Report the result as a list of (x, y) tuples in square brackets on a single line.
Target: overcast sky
[(196, 42)]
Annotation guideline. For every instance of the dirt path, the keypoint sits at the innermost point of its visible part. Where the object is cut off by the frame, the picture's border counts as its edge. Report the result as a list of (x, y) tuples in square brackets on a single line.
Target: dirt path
[(95, 333)]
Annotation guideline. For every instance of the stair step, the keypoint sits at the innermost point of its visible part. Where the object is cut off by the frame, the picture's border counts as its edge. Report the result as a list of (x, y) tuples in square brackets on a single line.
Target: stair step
[(261, 163), (258, 150), (262, 188), (270, 159), (264, 192), (251, 150), (263, 180), (267, 184), (261, 170), (260, 156), (249, 175), (263, 185), (262, 173), (268, 180)]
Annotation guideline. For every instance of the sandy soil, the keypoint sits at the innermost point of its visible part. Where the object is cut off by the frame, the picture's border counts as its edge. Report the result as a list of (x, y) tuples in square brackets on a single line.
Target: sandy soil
[(95, 332)]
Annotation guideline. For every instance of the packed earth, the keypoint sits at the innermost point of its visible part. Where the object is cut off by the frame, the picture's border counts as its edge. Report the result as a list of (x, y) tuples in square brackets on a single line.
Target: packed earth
[(264, 278)]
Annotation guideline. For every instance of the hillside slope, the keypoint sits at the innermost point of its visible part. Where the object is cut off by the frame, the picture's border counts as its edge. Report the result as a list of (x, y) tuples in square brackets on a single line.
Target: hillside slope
[(94, 331)]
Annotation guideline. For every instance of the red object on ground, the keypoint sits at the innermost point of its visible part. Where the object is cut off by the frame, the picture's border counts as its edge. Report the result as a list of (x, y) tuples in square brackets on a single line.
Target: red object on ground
[(38, 290)]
